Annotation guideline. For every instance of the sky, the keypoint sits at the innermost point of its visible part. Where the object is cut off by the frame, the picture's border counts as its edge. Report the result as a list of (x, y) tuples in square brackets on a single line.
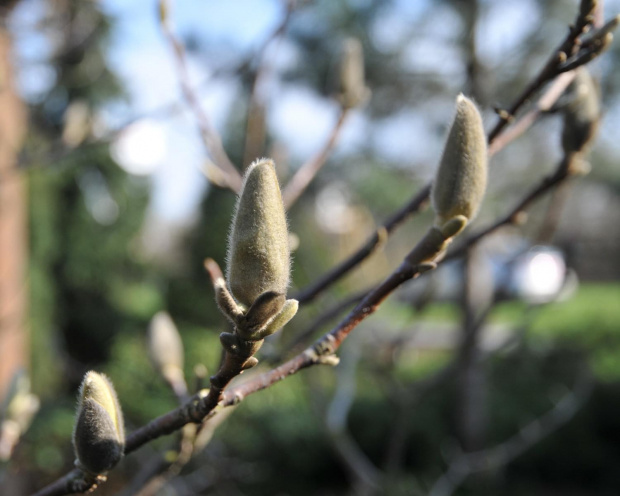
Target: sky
[(169, 150)]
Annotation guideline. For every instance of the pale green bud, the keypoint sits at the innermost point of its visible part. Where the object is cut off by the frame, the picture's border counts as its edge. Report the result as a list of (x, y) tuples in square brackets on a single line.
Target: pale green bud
[(462, 176), (581, 113), (258, 248), (99, 433), (166, 347), (353, 90)]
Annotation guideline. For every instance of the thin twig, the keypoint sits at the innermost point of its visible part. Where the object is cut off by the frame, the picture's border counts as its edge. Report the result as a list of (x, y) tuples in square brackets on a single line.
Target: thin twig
[(376, 241), (545, 103), (304, 175), (323, 319), (561, 174), (550, 70), (210, 136), (255, 127)]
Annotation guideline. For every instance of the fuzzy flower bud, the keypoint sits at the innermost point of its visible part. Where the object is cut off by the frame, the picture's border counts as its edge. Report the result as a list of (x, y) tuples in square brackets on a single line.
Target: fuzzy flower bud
[(99, 433), (462, 176), (258, 249)]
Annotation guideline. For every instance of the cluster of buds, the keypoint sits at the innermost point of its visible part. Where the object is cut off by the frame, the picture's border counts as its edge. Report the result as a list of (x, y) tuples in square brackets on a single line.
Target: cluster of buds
[(99, 433), (253, 296)]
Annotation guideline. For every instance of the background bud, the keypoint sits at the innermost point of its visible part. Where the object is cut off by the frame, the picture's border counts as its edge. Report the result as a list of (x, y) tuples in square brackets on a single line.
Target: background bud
[(462, 176), (166, 348), (352, 84), (16, 413), (258, 249), (581, 113), (99, 434)]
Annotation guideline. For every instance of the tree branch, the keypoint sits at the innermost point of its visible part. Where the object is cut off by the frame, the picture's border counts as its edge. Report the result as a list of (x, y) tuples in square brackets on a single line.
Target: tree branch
[(210, 137)]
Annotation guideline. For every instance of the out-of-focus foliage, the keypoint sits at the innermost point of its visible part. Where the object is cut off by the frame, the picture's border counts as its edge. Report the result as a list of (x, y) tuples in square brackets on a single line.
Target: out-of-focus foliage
[(88, 282)]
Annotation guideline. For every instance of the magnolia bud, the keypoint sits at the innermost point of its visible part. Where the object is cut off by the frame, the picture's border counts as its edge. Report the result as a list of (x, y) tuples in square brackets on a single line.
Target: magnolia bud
[(99, 433), (166, 351), (581, 113), (462, 176), (352, 85), (165, 345), (258, 249)]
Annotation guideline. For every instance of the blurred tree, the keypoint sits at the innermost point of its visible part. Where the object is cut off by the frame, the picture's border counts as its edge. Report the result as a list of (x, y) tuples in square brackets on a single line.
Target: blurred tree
[(13, 218), (88, 281)]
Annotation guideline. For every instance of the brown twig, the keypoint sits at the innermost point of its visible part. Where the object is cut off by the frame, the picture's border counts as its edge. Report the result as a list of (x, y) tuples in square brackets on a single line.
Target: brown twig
[(550, 70), (210, 137), (255, 127), (323, 319), (73, 482), (378, 238), (545, 103), (304, 175)]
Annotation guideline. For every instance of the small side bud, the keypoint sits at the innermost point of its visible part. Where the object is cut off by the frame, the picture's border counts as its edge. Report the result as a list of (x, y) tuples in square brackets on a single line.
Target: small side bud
[(462, 176), (258, 248), (353, 90), (99, 433), (166, 350)]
